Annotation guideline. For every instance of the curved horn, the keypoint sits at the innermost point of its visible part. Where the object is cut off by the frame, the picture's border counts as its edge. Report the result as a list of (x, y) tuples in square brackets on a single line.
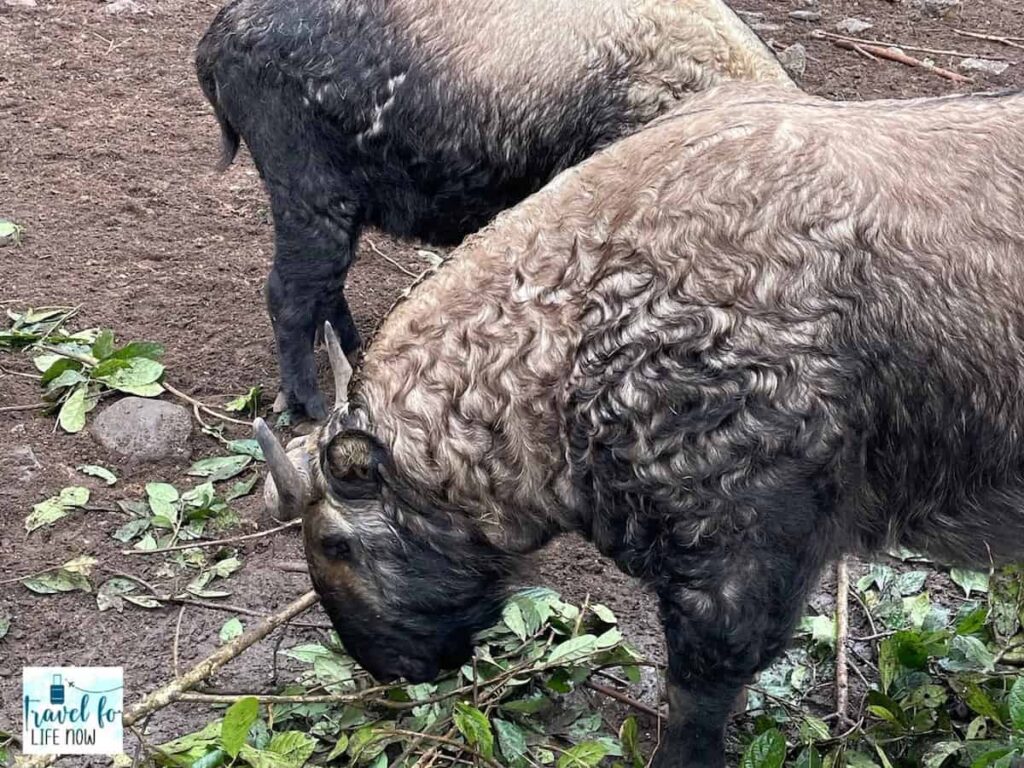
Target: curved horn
[(340, 367), (286, 486)]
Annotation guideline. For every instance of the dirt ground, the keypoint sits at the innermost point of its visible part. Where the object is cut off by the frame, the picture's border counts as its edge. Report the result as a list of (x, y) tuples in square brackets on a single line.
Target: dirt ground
[(106, 158)]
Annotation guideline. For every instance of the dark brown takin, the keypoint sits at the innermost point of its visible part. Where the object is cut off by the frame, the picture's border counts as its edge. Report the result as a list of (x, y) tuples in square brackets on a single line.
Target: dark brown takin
[(425, 118), (762, 332)]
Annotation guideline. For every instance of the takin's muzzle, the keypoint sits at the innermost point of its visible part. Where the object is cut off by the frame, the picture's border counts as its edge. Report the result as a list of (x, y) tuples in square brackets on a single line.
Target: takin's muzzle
[(295, 481)]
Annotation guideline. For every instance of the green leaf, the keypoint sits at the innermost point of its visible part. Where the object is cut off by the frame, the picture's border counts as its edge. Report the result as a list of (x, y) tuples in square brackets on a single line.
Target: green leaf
[(232, 628), (61, 580), (968, 654), (247, 403), (973, 621), (103, 347), (969, 581), (584, 755), (247, 448), (604, 613), (242, 487), (339, 748), (1015, 702), (142, 390), (335, 673), (822, 629), (94, 470), (110, 593), (163, 500), (512, 615), (220, 467), (911, 582), (132, 373), (808, 758), (5, 625), (813, 729), (10, 233), (474, 726), (511, 740), (766, 751), (227, 566), (293, 746), (573, 649), (238, 719), (147, 349), (131, 529), (938, 753), (54, 508), (308, 653), (530, 705), (72, 413)]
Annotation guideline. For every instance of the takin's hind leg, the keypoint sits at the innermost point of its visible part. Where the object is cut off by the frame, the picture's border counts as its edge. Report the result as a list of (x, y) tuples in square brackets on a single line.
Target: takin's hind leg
[(314, 243), (728, 612)]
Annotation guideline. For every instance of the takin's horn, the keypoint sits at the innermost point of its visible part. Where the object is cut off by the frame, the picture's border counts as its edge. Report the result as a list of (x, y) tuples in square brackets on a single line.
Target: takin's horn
[(340, 367), (287, 492)]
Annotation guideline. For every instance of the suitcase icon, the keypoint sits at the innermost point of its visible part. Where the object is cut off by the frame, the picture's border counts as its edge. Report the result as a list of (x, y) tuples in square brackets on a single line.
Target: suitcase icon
[(56, 690)]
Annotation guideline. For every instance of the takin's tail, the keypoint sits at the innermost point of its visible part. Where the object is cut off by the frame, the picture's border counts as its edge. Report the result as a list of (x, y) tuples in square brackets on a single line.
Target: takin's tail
[(206, 55)]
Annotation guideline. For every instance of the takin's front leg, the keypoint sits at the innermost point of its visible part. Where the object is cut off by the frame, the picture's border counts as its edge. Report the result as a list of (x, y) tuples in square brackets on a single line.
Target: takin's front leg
[(729, 619)]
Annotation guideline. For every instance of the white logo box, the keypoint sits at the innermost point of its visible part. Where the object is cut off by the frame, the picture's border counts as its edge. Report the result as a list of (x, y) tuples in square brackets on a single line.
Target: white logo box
[(72, 710)]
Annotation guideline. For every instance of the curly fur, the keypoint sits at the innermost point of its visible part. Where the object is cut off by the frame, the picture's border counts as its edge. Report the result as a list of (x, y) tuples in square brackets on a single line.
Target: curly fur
[(425, 118), (762, 332)]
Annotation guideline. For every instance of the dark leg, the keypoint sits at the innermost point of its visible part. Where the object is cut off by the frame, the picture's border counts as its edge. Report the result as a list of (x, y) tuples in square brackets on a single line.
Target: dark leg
[(314, 243), (728, 611)]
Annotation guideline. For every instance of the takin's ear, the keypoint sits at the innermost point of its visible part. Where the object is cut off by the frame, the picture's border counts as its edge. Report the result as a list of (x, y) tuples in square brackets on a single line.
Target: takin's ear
[(351, 463)]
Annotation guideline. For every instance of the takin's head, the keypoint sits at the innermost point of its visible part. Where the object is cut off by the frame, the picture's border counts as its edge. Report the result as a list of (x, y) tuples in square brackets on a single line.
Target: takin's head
[(406, 584)]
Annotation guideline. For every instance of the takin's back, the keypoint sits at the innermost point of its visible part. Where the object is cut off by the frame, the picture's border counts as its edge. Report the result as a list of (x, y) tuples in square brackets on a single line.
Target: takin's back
[(763, 281)]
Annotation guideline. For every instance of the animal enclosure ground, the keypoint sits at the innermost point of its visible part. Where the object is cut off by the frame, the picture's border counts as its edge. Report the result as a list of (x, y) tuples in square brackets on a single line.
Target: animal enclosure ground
[(107, 151)]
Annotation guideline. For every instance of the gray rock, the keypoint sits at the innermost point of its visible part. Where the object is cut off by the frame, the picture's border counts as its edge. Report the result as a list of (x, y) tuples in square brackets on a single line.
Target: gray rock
[(853, 26), (750, 17), (984, 65), (121, 7), (938, 9), (21, 3), (794, 60), (805, 15), (766, 26), (144, 430)]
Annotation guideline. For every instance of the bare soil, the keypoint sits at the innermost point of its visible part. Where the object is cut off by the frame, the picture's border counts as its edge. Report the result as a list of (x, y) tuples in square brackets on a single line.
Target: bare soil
[(106, 158)]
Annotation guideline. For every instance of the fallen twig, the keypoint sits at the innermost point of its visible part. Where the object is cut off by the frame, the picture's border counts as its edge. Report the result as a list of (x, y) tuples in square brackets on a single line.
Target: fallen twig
[(822, 34), (1013, 42), (611, 693), (30, 407), (214, 542), (173, 691), (291, 566), (892, 54), (391, 261), (177, 640), (842, 636), (202, 406)]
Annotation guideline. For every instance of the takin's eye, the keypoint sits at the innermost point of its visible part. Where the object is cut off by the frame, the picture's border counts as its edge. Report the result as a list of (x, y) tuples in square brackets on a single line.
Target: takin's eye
[(335, 546)]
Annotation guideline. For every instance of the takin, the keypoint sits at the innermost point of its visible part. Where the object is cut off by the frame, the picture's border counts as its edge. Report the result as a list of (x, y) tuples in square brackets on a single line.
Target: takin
[(425, 118), (764, 331)]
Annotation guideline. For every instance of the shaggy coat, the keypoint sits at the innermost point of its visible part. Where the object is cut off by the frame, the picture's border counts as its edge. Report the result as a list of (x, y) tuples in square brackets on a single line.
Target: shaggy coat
[(764, 331), (424, 118)]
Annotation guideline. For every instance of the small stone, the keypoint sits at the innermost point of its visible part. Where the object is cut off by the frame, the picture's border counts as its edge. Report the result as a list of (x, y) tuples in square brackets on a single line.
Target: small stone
[(794, 60), (17, 465), (984, 65), (805, 15), (853, 26), (21, 3), (121, 7), (766, 27), (751, 17), (143, 430), (938, 9)]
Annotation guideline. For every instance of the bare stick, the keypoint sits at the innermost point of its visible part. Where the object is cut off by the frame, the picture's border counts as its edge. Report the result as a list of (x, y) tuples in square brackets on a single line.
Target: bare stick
[(168, 694), (461, 746), (864, 53), (177, 640), (823, 35), (291, 566), (213, 542), (202, 406), (30, 407), (842, 636), (1013, 42), (898, 56), (611, 693), (391, 261)]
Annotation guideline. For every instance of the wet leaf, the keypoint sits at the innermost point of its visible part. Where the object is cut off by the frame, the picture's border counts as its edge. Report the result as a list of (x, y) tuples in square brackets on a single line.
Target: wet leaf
[(142, 601), (474, 726), (131, 529), (248, 403), (131, 373), (103, 347), (94, 470), (72, 413), (822, 629), (53, 582), (604, 613), (511, 740), (5, 625), (573, 649), (238, 719), (246, 448), (56, 507), (970, 581), (232, 628), (242, 487), (512, 615), (1015, 702), (585, 755), (111, 592), (220, 467), (766, 751)]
